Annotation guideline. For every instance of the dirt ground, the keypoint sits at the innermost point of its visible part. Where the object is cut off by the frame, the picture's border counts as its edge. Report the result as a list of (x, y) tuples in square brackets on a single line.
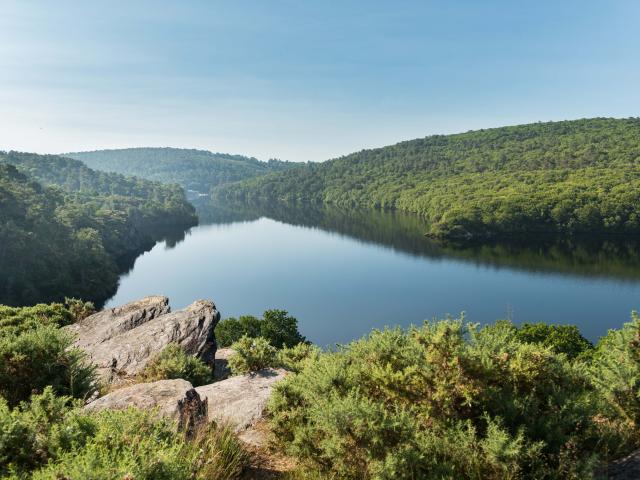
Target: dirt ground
[(266, 461)]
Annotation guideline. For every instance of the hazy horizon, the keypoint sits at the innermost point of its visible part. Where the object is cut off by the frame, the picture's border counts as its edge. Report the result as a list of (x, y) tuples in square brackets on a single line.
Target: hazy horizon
[(131, 147), (304, 81)]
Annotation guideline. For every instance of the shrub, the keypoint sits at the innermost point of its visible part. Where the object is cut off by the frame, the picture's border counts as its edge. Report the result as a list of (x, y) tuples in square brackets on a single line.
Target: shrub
[(173, 362), (280, 329), (35, 353), (33, 359), (49, 439), (36, 432), (230, 330), (14, 320), (294, 358), (615, 373), (125, 444), (79, 309), (565, 339), (440, 401), (276, 326), (251, 355)]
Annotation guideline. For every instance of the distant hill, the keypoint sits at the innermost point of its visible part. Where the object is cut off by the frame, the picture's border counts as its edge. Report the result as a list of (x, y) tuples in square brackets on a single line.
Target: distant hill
[(67, 230), (197, 170), (567, 177)]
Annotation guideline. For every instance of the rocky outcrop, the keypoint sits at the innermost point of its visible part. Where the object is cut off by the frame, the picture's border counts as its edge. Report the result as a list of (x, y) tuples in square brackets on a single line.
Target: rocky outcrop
[(221, 369), (240, 401), (120, 341), (174, 399), (108, 323)]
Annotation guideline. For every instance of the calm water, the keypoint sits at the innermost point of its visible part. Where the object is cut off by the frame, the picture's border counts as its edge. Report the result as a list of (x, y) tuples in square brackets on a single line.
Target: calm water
[(342, 274)]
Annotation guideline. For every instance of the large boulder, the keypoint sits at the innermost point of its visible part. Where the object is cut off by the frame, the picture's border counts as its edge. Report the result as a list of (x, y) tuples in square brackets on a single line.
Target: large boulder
[(120, 342), (240, 401), (173, 399), (108, 323)]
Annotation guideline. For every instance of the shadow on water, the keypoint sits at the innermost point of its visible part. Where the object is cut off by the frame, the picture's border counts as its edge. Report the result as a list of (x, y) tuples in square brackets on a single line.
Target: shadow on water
[(170, 236), (617, 258), (25, 287)]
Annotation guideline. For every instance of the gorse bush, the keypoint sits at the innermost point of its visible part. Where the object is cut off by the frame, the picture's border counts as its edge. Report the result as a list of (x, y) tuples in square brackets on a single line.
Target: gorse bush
[(79, 309), (14, 320), (251, 355), (50, 439), (173, 362), (35, 353), (294, 358), (615, 372), (445, 400), (36, 432), (39, 357), (276, 326), (565, 339)]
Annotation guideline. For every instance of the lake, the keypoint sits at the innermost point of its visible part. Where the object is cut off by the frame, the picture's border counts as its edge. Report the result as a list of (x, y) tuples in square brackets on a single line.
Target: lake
[(342, 273)]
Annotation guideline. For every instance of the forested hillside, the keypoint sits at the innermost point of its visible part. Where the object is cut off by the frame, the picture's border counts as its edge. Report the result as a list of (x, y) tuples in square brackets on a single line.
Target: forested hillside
[(197, 170), (566, 177), (66, 230)]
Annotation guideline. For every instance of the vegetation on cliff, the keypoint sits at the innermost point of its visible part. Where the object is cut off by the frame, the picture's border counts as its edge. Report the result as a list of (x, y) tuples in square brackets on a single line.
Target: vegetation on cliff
[(173, 362), (197, 170), (566, 177)]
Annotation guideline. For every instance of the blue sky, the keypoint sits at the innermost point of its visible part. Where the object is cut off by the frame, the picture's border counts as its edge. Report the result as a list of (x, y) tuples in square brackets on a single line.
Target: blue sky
[(305, 80)]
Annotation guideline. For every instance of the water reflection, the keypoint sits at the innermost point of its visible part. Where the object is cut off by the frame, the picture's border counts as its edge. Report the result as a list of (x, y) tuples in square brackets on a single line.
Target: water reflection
[(342, 273), (617, 258)]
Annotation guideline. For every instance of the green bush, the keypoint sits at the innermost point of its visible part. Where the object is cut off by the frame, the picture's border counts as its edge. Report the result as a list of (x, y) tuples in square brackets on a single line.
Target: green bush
[(49, 439), (615, 373), (230, 330), (441, 401), (276, 326), (565, 339), (36, 432), (294, 358), (41, 357), (79, 309), (14, 320), (251, 355), (35, 353), (174, 362)]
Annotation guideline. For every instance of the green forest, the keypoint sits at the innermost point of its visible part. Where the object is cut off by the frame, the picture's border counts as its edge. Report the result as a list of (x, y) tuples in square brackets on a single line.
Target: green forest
[(67, 230), (197, 170), (569, 178)]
